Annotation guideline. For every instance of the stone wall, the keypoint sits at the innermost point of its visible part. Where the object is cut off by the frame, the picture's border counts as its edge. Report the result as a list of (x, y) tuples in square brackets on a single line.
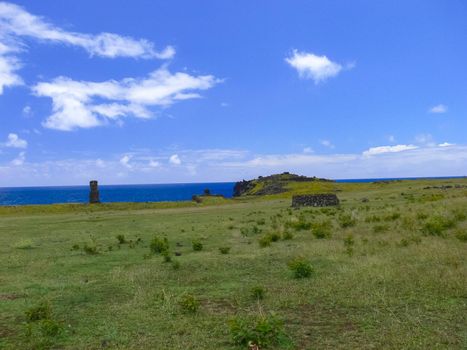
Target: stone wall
[(314, 200)]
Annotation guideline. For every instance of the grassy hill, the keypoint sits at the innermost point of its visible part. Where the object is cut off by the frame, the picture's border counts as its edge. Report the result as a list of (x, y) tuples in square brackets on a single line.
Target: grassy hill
[(386, 273)]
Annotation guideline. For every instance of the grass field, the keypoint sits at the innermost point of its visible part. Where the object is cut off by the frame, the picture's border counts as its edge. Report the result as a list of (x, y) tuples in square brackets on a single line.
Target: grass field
[(387, 272)]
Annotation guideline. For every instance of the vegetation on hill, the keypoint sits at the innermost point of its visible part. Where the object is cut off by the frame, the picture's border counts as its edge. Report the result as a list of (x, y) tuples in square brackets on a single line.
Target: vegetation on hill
[(384, 270)]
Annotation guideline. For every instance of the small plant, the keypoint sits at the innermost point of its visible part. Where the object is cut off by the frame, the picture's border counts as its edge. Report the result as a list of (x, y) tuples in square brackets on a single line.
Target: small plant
[(257, 293), (349, 242), (189, 303), (258, 332), (380, 228), (461, 235), (261, 222), (459, 215), (300, 267), (224, 250), (24, 244), (50, 328), (75, 247), (90, 249), (321, 229), (175, 264), (197, 245), (43, 311), (422, 216), (265, 241), (167, 257), (346, 220), (436, 226), (287, 235), (159, 246), (121, 239), (275, 236), (392, 217)]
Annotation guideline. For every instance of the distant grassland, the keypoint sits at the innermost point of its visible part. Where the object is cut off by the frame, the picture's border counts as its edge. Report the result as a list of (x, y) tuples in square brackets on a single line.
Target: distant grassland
[(385, 270)]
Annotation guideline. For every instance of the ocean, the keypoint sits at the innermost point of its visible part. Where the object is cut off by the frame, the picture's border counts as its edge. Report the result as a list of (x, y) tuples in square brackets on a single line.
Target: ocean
[(126, 193)]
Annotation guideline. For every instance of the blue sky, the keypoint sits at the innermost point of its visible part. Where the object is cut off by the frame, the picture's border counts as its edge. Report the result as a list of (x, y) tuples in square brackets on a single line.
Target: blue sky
[(183, 91)]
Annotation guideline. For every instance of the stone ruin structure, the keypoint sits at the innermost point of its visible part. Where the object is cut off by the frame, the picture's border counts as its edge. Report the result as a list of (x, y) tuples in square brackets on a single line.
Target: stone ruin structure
[(94, 193), (314, 200)]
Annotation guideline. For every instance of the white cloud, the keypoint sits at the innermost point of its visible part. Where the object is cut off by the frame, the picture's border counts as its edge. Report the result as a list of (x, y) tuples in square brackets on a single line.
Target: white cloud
[(14, 141), (18, 161), (388, 149), (75, 102), (327, 143), (236, 165), (446, 144), (439, 109), (175, 159), (307, 150), (311, 66), (391, 138), (425, 139), (17, 24), (125, 161)]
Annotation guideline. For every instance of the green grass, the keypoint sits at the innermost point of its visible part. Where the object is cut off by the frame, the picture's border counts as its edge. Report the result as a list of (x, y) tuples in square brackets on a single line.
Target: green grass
[(403, 286)]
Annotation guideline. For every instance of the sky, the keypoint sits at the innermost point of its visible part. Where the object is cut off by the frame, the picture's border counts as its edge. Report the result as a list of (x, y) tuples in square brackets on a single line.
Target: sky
[(183, 91)]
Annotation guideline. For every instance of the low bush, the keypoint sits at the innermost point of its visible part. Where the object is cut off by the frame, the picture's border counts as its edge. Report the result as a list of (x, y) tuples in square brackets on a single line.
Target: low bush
[(275, 236), (90, 249), (287, 235), (392, 217), (175, 264), (349, 242), (461, 235), (300, 267), (346, 220), (43, 311), (380, 228), (197, 245), (436, 225), (189, 303), (265, 241), (258, 332), (224, 250), (257, 293), (121, 239), (158, 245), (321, 229)]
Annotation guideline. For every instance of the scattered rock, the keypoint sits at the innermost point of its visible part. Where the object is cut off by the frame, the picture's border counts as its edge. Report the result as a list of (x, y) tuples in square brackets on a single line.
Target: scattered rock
[(315, 200)]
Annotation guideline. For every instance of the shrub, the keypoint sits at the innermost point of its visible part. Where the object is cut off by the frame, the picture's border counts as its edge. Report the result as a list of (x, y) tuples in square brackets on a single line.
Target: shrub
[(275, 237), (436, 225), (197, 245), (300, 267), (287, 235), (373, 218), (90, 249), (258, 332), (167, 257), (422, 216), (349, 242), (121, 239), (321, 229), (159, 246), (257, 293), (461, 235), (50, 328), (265, 241), (224, 250), (24, 244), (75, 247), (189, 303), (380, 228), (459, 215), (176, 265), (346, 220), (43, 311), (261, 222), (392, 217), (299, 225)]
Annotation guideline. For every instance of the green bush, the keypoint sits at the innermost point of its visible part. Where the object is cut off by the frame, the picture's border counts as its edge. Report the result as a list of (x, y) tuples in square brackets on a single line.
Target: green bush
[(75, 247), (175, 265), (461, 235), (258, 331), (380, 228), (43, 311), (436, 225), (159, 246), (321, 229), (459, 215), (50, 328), (349, 242), (275, 237), (189, 303), (392, 217), (346, 220), (265, 241), (90, 249), (224, 250), (287, 235), (121, 239), (300, 267), (197, 245), (299, 225), (257, 293)]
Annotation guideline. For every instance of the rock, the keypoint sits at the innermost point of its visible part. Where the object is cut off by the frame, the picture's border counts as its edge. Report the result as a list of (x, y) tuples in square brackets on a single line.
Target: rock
[(314, 200)]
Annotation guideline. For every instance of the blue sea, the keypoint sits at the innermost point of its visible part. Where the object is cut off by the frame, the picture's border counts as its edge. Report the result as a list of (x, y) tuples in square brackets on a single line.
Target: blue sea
[(126, 193)]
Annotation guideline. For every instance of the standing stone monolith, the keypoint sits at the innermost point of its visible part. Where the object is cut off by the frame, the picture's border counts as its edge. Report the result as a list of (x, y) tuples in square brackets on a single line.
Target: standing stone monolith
[(94, 193)]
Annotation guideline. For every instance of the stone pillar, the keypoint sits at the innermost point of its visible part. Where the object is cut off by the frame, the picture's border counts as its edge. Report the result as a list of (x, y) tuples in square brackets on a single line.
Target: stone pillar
[(94, 193)]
